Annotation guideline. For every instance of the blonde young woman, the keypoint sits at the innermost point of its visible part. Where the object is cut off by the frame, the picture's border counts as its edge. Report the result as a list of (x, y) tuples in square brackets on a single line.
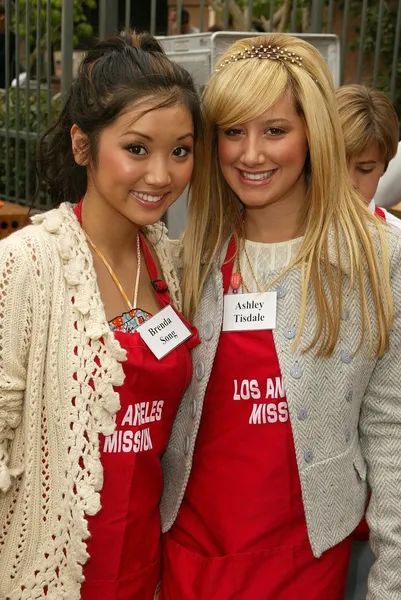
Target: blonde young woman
[(295, 402)]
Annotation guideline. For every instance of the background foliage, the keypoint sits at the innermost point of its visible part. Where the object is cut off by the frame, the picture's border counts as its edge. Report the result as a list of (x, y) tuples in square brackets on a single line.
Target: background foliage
[(29, 120), (81, 26)]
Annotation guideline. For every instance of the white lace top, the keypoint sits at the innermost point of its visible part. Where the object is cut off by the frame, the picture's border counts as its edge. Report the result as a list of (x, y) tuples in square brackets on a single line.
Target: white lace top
[(59, 363), (266, 258)]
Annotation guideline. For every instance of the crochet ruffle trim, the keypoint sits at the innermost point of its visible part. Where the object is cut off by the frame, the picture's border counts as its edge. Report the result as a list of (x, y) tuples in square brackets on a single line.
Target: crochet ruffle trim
[(92, 332)]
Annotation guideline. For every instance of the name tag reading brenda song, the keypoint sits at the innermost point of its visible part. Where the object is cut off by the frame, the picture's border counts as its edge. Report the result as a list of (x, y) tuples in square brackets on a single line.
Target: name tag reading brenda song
[(247, 312), (164, 332)]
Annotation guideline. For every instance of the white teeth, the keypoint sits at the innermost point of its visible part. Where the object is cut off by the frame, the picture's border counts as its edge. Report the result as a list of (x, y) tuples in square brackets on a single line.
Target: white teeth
[(147, 197), (257, 176)]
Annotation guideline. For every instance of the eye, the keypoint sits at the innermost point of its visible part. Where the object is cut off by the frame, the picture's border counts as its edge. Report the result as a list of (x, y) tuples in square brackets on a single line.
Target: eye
[(137, 149), (365, 171), (274, 131), (182, 151), (233, 131)]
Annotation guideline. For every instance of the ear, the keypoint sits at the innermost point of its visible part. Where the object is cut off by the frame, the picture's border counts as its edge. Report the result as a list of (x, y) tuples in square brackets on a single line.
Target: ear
[(79, 142)]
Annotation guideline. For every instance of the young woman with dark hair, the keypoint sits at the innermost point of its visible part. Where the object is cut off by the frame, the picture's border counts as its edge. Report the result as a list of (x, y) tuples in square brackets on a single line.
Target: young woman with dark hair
[(94, 355)]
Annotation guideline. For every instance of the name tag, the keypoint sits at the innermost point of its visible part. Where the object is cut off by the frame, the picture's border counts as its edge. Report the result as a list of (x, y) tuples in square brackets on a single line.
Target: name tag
[(164, 332), (247, 312)]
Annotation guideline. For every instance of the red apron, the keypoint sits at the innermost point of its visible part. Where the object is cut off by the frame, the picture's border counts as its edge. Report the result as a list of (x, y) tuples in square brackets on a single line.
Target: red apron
[(125, 546), (241, 532)]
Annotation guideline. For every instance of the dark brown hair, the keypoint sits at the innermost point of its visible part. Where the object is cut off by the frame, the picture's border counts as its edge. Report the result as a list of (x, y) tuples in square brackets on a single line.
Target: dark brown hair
[(115, 74)]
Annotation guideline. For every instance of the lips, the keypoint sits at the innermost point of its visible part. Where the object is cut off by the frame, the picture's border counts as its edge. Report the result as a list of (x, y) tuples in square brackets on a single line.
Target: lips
[(149, 200), (256, 178), (147, 197)]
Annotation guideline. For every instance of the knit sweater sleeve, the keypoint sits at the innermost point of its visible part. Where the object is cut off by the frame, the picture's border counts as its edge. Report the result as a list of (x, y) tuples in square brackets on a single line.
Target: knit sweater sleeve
[(15, 329), (380, 428)]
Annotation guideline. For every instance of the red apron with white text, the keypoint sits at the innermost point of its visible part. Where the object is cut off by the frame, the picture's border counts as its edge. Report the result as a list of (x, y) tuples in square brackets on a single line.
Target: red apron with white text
[(241, 533), (125, 547)]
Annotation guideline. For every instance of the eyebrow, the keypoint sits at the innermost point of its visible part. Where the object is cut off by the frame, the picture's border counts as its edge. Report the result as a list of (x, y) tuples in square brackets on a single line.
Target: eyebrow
[(148, 137), (277, 120)]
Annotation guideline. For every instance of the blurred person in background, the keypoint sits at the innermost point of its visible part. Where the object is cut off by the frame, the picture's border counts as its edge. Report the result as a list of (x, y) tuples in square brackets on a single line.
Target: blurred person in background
[(186, 26), (370, 127)]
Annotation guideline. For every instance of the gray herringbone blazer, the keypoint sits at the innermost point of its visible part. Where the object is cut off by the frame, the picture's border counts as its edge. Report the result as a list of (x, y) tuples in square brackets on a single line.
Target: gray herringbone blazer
[(346, 419)]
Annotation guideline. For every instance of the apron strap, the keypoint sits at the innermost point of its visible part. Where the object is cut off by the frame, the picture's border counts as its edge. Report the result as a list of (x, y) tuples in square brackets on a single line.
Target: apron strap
[(159, 285), (228, 264), (379, 212)]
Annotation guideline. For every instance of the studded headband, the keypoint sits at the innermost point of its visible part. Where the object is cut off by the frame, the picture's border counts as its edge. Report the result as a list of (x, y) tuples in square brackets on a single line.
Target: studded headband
[(269, 52)]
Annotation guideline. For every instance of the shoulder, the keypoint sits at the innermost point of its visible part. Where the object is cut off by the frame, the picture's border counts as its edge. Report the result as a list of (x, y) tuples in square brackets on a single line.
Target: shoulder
[(394, 246), (51, 238), (165, 248), (168, 253), (23, 248), (394, 241), (392, 219), (37, 239)]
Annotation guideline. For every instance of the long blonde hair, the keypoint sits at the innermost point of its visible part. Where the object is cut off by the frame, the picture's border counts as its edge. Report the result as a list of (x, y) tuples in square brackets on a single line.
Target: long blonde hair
[(244, 90)]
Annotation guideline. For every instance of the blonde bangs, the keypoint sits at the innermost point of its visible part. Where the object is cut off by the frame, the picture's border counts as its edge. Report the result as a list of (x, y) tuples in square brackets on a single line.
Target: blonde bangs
[(228, 99)]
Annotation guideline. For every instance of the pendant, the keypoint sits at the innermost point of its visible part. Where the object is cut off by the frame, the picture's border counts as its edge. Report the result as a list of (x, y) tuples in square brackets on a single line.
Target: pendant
[(235, 282)]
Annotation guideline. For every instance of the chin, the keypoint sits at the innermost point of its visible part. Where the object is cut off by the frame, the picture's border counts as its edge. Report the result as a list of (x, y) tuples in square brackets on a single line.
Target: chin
[(252, 202)]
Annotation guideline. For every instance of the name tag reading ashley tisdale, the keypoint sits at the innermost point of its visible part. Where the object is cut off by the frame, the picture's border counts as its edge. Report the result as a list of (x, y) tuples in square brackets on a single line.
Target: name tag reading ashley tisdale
[(164, 332), (247, 312)]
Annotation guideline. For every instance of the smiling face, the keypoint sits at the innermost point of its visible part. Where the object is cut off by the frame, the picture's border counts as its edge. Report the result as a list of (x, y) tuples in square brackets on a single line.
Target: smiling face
[(365, 171), (263, 160), (143, 163)]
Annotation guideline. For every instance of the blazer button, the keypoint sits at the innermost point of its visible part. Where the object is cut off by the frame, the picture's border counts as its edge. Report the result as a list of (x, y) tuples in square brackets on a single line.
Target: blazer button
[(302, 414), (200, 371), (344, 314), (187, 445), (208, 331), (289, 333), (296, 371), (308, 456), (216, 293), (347, 435), (194, 409), (280, 291), (346, 357), (348, 396)]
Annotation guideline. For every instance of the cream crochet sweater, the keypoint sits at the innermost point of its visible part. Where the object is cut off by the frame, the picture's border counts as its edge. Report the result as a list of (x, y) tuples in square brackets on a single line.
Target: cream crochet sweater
[(59, 363)]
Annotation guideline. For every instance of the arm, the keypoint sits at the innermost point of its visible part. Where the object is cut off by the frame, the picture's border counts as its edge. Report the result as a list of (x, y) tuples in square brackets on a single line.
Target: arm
[(15, 326), (380, 427)]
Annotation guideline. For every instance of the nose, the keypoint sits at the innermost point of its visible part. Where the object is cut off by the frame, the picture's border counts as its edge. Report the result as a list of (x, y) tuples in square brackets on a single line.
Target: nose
[(252, 151), (158, 173)]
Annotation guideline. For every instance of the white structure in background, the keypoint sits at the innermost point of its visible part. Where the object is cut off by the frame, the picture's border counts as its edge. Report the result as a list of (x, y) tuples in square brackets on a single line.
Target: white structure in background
[(389, 189)]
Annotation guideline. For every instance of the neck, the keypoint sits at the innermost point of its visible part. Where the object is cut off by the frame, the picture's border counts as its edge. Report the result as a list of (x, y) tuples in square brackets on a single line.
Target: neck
[(109, 230), (276, 222)]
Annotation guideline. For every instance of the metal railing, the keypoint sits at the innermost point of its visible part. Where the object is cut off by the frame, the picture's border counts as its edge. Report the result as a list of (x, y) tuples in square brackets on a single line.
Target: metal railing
[(369, 32)]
